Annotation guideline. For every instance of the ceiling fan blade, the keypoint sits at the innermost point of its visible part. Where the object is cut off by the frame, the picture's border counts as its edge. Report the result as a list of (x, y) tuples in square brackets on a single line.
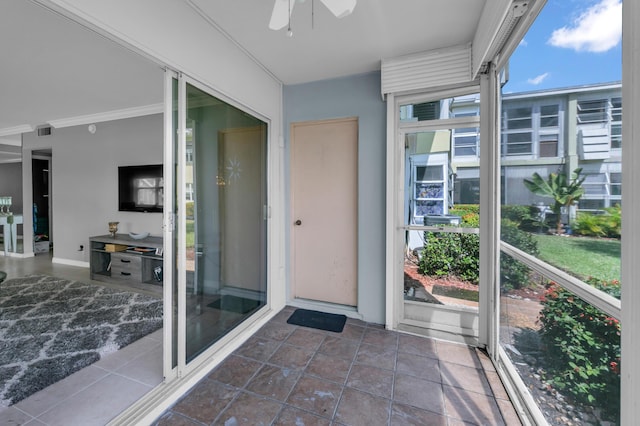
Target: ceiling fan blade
[(280, 15), (340, 8)]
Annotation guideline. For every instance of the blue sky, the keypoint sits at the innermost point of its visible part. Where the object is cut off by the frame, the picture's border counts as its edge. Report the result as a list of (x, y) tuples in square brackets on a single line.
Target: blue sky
[(573, 42)]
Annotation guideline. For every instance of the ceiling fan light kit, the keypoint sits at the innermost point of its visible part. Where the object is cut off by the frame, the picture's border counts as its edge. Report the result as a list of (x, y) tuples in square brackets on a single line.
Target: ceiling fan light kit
[(282, 9)]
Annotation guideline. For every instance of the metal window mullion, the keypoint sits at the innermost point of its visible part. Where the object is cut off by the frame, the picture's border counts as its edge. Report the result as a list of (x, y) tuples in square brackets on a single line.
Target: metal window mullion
[(181, 226)]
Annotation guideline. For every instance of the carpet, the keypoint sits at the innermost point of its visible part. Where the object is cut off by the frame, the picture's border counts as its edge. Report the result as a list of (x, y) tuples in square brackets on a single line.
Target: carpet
[(318, 320), (240, 305), (52, 327)]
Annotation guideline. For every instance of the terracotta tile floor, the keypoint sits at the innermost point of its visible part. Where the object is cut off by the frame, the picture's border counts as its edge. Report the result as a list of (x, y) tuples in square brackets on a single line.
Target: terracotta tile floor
[(290, 375)]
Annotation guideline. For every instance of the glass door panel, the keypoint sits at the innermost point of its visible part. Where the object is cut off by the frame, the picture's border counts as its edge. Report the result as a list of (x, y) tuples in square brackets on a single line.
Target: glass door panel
[(223, 198), (442, 244)]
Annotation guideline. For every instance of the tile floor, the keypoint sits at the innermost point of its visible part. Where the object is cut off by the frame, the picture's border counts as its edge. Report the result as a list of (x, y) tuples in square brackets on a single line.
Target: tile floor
[(290, 375), (283, 375), (93, 395)]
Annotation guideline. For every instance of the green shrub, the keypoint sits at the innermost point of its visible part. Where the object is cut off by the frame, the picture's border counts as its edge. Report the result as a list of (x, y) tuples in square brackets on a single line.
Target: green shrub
[(608, 224), (514, 274), (453, 254), (463, 209), (526, 218), (189, 209), (446, 254), (582, 347), (588, 224)]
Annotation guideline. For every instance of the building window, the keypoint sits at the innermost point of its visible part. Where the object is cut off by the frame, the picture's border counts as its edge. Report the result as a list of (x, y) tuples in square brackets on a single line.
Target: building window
[(548, 146), (429, 190), (531, 130), (601, 190), (466, 140), (615, 183), (592, 111), (616, 123), (518, 129)]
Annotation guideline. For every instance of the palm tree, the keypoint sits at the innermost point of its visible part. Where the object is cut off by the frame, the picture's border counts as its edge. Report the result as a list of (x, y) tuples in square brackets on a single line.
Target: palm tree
[(557, 186)]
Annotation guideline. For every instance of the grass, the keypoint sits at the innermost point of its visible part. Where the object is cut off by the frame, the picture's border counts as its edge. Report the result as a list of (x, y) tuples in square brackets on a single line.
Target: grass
[(191, 239), (582, 256)]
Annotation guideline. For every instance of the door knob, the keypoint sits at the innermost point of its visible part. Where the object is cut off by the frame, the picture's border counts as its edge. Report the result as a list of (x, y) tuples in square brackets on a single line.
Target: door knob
[(298, 222)]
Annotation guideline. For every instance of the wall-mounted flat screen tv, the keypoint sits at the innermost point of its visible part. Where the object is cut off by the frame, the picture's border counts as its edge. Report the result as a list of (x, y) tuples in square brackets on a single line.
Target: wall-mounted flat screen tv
[(140, 188)]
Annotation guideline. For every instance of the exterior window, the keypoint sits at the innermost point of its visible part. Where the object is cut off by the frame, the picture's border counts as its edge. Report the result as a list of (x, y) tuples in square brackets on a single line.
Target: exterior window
[(420, 112), (429, 190), (189, 191), (532, 130), (601, 190), (592, 111), (616, 183), (466, 140), (467, 191), (588, 204), (518, 131), (549, 116), (427, 111), (548, 146), (616, 123)]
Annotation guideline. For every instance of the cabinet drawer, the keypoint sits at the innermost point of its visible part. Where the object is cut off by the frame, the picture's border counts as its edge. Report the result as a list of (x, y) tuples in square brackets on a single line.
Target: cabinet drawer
[(125, 260), (125, 267)]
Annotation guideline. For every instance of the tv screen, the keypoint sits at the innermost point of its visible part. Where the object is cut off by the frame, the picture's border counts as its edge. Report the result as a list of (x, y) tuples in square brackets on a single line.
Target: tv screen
[(140, 188)]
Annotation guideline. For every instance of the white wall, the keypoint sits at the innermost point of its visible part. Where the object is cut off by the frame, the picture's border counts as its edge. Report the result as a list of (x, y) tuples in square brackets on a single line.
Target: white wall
[(84, 177), (200, 51)]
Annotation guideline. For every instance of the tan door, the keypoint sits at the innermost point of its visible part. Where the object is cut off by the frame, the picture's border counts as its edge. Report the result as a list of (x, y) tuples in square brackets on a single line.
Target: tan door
[(324, 192)]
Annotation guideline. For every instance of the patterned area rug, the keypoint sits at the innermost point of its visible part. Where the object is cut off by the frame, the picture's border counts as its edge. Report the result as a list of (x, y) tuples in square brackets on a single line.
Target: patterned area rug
[(51, 328)]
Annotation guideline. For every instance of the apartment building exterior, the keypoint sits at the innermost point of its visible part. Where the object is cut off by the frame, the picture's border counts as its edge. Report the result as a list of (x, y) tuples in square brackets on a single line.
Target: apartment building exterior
[(546, 131)]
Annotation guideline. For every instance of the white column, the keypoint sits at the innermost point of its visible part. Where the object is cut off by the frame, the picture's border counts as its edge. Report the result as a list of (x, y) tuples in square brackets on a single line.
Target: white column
[(630, 393), (489, 210)]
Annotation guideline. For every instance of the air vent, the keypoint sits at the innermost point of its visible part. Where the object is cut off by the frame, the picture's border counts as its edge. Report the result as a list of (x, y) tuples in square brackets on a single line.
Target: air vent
[(44, 131)]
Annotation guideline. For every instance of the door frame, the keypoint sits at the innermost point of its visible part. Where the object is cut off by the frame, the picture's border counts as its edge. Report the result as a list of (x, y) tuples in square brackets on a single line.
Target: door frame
[(174, 221), (350, 311)]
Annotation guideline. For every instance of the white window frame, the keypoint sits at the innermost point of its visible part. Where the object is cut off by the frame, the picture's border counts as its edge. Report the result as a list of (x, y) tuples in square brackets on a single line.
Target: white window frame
[(466, 132), (439, 160)]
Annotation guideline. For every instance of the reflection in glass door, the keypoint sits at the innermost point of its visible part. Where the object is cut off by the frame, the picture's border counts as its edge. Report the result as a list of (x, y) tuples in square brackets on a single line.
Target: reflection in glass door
[(221, 233)]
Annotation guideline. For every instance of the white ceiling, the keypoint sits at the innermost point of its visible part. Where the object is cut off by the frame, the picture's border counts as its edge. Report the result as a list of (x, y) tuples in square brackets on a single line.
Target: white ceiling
[(355, 44), (53, 68)]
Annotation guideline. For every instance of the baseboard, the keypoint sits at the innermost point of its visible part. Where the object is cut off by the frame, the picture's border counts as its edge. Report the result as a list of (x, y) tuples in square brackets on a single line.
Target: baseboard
[(19, 255), (70, 262)]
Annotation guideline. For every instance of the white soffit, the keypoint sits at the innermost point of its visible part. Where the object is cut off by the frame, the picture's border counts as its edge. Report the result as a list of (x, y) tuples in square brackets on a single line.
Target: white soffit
[(437, 68)]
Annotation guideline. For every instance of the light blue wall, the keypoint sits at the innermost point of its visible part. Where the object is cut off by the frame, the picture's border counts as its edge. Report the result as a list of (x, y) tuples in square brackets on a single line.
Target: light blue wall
[(353, 96)]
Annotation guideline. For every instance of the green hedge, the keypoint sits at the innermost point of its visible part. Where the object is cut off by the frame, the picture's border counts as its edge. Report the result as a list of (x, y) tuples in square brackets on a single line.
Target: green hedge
[(608, 224), (582, 347), (451, 254)]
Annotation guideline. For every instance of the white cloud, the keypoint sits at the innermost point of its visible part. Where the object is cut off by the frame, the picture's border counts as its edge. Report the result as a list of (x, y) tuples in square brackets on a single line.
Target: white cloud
[(539, 79), (523, 43), (598, 29)]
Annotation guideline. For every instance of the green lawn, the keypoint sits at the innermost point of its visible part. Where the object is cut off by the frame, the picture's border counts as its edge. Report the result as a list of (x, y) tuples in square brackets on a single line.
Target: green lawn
[(582, 256)]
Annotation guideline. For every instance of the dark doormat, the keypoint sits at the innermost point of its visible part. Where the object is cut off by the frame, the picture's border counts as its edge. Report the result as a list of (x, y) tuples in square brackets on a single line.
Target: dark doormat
[(319, 320), (236, 304)]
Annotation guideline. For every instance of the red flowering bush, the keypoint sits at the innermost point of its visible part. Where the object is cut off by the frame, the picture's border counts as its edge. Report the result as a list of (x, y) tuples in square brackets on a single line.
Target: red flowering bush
[(582, 347)]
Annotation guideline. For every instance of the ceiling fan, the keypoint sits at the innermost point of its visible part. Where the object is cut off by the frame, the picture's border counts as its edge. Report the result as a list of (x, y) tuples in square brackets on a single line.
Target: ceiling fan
[(282, 9)]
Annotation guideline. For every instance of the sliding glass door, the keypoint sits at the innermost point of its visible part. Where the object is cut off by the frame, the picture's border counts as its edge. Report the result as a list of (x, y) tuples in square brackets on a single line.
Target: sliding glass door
[(219, 224)]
